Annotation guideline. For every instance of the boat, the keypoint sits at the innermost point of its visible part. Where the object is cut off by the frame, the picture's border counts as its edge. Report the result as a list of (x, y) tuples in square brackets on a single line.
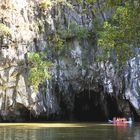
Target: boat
[(120, 122)]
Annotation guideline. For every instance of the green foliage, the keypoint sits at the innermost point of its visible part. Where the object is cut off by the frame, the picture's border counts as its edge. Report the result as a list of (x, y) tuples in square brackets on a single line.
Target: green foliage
[(56, 42), (98, 25), (63, 2), (82, 32), (79, 1), (91, 1), (39, 69), (45, 4), (121, 32), (4, 30), (75, 31)]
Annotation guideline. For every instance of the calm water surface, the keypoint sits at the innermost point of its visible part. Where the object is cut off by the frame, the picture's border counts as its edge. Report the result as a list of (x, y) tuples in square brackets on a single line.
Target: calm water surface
[(69, 131)]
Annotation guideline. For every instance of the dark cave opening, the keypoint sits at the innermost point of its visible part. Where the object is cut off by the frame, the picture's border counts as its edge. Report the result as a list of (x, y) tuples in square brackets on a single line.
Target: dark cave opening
[(88, 107), (112, 107)]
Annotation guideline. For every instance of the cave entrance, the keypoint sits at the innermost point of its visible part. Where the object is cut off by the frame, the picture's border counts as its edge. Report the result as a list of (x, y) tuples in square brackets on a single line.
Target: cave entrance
[(89, 107), (112, 107)]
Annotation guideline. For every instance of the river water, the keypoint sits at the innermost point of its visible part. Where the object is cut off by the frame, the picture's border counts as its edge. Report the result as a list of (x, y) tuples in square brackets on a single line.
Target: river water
[(69, 131)]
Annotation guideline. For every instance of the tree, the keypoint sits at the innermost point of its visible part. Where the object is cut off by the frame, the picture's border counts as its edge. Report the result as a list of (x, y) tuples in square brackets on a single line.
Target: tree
[(121, 31), (38, 69)]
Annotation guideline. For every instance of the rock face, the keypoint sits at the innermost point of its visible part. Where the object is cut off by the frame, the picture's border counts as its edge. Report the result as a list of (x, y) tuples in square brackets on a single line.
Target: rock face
[(81, 88), (18, 17)]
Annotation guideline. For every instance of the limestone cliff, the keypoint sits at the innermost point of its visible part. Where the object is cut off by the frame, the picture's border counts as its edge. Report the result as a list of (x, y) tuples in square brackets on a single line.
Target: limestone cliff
[(80, 85)]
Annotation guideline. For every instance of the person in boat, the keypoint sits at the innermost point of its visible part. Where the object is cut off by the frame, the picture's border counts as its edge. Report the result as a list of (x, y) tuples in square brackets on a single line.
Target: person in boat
[(119, 119), (114, 119), (130, 119)]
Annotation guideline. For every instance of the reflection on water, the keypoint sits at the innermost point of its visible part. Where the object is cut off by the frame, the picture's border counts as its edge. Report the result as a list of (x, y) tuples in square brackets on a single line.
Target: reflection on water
[(72, 132)]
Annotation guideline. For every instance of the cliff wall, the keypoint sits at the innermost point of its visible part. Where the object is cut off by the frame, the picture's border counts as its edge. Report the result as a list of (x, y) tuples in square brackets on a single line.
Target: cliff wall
[(81, 87)]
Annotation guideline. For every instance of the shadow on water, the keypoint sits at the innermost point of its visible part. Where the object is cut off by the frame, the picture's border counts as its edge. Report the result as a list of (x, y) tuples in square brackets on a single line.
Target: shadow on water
[(69, 131)]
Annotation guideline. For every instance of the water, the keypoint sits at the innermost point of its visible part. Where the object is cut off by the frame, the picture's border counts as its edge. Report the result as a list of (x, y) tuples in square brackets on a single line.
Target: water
[(69, 131)]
